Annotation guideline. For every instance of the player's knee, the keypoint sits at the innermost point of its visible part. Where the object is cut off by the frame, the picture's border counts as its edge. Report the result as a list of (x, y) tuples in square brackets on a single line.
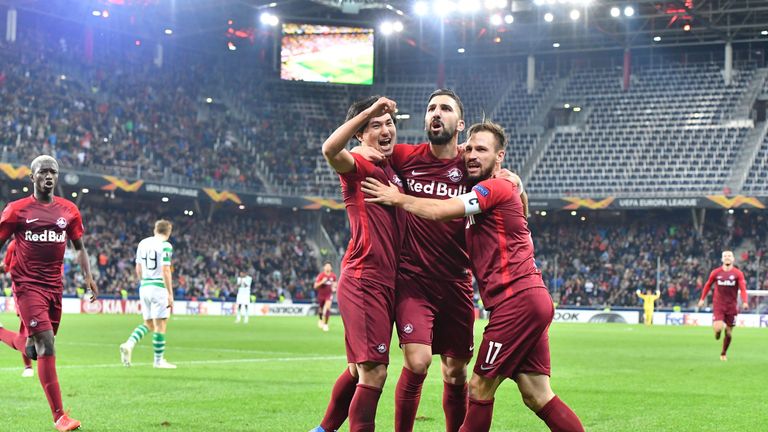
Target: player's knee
[(31, 352), (373, 374), (44, 344), (455, 373), (480, 388), (418, 364)]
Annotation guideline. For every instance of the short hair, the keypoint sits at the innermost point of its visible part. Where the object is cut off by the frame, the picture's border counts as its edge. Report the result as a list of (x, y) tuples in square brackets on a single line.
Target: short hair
[(494, 128), (40, 159), (357, 107), (327, 263), (452, 95), (727, 250), (163, 227)]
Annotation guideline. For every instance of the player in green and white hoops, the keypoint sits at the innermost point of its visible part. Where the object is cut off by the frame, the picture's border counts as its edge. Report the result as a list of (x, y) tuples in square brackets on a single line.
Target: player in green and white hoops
[(153, 267)]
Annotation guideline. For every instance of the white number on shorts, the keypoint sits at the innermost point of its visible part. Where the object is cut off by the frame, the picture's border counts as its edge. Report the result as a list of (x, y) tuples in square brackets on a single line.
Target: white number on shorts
[(491, 356)]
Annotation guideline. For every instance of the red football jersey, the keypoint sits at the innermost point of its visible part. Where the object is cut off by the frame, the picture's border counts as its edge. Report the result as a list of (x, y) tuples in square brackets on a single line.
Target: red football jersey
[(435, 250), (500, 244), (727, 286), (377, 230), (327, 287), (40, 232)]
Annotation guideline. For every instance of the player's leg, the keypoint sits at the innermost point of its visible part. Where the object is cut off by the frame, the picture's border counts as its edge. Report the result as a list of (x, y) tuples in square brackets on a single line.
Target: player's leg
[(320, 311), (362, 408), (480, 408), (158, 345), (539, 398), (730, 322), (648, 317), (416, 358), (12, 339), (341, 397), (237, 315), (454, 391), (326, 313), (28, 370), (717, 326), (245, 313)]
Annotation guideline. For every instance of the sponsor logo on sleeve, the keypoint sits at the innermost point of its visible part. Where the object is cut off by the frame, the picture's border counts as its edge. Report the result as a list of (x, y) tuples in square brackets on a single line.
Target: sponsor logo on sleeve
[(482, 190)]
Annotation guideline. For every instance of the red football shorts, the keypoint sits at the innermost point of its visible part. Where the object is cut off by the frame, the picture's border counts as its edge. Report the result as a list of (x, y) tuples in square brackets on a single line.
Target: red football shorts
[(515, 339), (324, 294), (728, 316), (22, 329), (38, 308), (435, 312), (367, 310)]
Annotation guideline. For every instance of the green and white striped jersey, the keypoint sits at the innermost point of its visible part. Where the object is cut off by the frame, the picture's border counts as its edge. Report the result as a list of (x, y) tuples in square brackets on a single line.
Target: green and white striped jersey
[(152, 254)]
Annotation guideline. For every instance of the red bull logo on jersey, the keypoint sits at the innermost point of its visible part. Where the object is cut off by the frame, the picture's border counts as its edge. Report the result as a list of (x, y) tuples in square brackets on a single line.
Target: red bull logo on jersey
[(47, 236), (723, 282), (436, 188)]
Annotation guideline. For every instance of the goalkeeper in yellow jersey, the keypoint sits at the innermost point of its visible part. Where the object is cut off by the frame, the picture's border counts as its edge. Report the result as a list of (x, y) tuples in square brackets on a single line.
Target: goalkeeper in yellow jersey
[(649, 301)]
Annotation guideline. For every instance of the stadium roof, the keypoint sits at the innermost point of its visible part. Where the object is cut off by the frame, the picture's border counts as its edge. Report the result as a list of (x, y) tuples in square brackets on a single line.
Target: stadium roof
[(448, 24)]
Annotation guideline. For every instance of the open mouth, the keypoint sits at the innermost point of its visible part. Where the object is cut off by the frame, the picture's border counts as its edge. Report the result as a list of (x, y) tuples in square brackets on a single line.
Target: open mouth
[(436, 125)]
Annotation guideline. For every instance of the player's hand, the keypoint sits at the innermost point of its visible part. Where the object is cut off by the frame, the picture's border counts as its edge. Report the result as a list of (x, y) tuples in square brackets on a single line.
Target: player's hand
[(90, 285), (510, 176), (701, 303), (382, 194), (2, 267), (382, 106), (368, 153), (745, 306), (170, 303)]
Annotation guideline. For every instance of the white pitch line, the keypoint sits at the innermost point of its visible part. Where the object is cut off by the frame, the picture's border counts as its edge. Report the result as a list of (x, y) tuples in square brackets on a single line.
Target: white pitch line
[(192, 362), (179, 348)]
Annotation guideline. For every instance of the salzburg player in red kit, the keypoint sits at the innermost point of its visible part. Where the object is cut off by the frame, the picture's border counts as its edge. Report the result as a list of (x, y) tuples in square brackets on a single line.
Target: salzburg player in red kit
[(515, 342), (10, 338), (366, 290), (325, 285), (729, 281), (41, 225)]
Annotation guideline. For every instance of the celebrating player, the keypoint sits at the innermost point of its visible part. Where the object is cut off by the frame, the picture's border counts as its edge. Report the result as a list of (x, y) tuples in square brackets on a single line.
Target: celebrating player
[(41, 225), (153, 267), (243, 296), (515, 342), (649, 302), (366, 290), (325, 284), (728, 280), (10, 338)]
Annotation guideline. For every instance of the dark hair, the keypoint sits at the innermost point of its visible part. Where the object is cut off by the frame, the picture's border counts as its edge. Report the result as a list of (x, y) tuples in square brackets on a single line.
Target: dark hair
[(360, 106), (452, 95), (494, 128), (328, 263)]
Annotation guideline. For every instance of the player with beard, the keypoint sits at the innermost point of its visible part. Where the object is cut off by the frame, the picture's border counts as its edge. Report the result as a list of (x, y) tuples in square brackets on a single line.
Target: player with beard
[(515, 341), (366, 289), (41, 225), (728, 281)]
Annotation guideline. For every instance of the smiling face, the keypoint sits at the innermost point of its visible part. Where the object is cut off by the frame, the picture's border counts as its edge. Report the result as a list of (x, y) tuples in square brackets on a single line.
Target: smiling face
[(380, 133), (443, 119)]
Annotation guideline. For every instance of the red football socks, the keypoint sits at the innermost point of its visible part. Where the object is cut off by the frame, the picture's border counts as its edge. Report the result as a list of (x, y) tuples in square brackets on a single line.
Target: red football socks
[(454, 405), (362, 410), (12, 339), (407, 397), (341, 397), (726, 343), (326, 316), (559, 417), (46, 370), (479, 416)]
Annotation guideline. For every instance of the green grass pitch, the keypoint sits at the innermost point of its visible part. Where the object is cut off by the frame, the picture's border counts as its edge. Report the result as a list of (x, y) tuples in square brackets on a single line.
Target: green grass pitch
[(275, 374)]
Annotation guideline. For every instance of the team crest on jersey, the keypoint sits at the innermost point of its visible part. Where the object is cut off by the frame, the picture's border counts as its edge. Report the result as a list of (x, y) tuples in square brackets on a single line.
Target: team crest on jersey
[(381, 348), (731, 277), (61, 223), (455, 175), (396, 180), (408, 328)]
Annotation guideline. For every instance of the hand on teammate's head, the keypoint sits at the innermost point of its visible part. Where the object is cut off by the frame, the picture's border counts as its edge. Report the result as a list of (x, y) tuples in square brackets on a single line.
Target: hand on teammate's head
[(383, 106)]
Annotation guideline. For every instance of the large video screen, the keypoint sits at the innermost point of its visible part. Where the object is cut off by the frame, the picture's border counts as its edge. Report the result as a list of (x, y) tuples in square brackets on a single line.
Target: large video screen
[(322, 53)]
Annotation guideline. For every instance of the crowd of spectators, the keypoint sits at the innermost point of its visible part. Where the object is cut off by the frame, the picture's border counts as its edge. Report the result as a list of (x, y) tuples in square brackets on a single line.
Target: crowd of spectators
[(207, 257)]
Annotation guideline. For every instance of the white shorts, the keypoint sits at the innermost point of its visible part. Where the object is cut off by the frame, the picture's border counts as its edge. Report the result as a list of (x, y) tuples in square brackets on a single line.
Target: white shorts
[(243, 296), (154, 302)]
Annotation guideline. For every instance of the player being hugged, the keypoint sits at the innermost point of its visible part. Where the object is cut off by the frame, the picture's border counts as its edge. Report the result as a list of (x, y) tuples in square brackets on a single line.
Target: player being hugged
[(515, 342), (41, 225), (153, 268), (728, 281)]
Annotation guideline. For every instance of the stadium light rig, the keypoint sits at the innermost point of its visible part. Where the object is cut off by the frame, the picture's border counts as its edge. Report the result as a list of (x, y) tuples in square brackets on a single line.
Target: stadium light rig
[(549, 17), (269, 19), (389, 27), (629, 11), (615, 12), (575, 15), (421, 8)]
